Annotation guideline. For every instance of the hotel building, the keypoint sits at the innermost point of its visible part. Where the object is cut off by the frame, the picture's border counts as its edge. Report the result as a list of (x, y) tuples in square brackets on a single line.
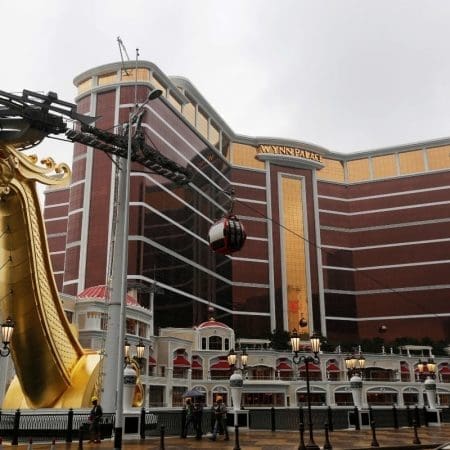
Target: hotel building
[(346, 241)]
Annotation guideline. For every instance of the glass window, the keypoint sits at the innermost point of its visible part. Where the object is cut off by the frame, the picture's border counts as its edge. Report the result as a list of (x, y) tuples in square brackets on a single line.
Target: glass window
[(131, 326), (333, 170), (411, 162), (142, 330), (204, 343), (358, 170), (262, 399), (245, 155), (381, 398), (177, 395), (384, 166), (410, 398), (343, 398), (215, 343)]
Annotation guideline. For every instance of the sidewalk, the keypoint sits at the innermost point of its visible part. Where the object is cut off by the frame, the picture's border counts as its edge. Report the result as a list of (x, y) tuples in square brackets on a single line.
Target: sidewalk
[(430, 437)]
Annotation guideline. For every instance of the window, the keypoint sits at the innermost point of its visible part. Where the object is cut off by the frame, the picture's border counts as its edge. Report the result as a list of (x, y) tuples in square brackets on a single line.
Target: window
[(215, 343), (131, 326), (262, 399), (204, 343)]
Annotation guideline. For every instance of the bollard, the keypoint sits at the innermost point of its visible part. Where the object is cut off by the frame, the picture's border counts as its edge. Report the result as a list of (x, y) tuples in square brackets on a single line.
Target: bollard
[(416, 440), (327, 445), (301, 429), (408, 416), (371, 417), (357, 424), (183, 423), (374, 442), (69, 425), (330, 419), (80, 439), (161, 432), (395, 417), (300, 415), (237, 445), (417, 416), (425, 416), (15, 436), (142, 424), (272, 419)]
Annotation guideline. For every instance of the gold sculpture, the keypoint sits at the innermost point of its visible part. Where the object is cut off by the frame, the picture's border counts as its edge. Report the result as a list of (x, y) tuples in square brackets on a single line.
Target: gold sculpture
[(52, 369)]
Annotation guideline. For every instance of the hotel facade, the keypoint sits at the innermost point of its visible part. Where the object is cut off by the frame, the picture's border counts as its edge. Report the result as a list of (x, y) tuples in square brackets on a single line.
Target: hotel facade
[(345, 241)]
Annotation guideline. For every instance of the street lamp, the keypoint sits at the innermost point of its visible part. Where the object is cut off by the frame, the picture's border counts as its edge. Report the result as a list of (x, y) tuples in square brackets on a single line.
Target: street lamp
[(355, 365), (430, 382), (7, 331), (307, 359), (238, 363), (114, 378)]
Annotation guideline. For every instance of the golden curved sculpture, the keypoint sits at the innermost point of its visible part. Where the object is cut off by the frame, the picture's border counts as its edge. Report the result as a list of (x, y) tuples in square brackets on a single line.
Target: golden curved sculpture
[(52, 369)]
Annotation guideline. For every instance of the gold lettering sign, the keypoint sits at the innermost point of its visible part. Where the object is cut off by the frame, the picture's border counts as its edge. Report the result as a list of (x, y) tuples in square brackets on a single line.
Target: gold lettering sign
[(289, 151)]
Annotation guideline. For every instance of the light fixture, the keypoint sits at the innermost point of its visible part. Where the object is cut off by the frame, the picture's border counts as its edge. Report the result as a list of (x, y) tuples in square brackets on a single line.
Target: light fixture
[(307, 359), (231, 357), (140, 348), (126, 349), (7, 331)]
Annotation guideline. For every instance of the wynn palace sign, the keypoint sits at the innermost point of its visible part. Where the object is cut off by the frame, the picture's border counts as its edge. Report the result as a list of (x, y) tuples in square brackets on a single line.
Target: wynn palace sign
[(289, 151)]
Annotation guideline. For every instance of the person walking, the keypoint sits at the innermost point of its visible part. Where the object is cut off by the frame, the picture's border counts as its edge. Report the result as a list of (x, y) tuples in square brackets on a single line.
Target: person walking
[(220, 419), (198, 417), (95, 417), (189, 417)]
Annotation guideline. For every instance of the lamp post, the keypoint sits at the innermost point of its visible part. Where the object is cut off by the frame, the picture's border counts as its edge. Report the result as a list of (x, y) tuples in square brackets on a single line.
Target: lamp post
[(307, 359), (113, 367), (430, 382), (238, 364)]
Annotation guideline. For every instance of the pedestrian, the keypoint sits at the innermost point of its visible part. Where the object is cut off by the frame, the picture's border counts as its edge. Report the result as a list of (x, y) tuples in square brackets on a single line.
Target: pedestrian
[(95, 417), (220, 419), (189, 417), (198, 417)]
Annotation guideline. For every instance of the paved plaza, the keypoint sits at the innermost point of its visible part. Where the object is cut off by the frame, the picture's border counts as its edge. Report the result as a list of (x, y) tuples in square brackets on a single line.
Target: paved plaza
[(430, 437)]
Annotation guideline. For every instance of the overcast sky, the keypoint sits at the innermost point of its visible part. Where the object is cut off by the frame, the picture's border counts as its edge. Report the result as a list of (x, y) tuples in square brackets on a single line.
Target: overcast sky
[(348, 75)]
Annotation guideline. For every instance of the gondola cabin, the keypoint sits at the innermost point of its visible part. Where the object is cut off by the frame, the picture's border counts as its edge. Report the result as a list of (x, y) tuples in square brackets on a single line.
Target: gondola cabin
[(227, 235)]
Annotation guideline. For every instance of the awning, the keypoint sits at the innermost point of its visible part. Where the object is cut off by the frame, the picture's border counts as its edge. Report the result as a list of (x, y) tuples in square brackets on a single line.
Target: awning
[(311, 368), (151, 361), (284, 367), (333, 368), (196, 365), (220, 365), (181, 361), (444, 370), (404, 368)]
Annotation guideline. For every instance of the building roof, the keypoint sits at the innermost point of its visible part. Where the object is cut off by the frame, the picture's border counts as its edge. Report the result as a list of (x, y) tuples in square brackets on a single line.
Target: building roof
[(101, 293), (212, 323)]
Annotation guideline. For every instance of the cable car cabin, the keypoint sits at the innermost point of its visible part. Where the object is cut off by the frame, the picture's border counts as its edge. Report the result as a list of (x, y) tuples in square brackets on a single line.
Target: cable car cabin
[(227, 235)]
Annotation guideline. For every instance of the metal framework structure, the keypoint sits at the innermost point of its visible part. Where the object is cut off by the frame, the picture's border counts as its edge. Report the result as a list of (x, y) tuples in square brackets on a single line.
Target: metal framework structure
[(27, 119)]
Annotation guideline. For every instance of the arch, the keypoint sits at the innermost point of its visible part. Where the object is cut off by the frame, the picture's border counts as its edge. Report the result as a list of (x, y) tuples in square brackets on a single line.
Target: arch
[(318, 396), (343, 396), (222, 391), (381, 396)]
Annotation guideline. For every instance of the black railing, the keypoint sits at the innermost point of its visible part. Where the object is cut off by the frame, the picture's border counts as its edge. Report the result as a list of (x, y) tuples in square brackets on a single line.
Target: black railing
[(21, 426)]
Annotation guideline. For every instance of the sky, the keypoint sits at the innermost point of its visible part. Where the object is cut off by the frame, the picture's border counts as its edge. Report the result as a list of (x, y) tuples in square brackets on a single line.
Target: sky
[(347, 75)]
